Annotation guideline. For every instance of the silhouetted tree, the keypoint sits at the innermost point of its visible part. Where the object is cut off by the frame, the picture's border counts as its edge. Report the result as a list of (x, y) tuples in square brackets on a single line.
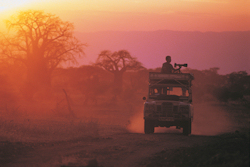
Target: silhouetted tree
[(117, 63), (41, 41), (237, 85)]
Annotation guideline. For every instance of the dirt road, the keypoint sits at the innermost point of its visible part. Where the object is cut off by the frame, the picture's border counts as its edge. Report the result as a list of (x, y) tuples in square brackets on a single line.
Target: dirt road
[(110, 144), (120, 149)]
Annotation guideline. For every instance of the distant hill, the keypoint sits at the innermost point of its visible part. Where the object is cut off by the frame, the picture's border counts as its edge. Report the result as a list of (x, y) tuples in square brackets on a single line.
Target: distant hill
[(230, 51)]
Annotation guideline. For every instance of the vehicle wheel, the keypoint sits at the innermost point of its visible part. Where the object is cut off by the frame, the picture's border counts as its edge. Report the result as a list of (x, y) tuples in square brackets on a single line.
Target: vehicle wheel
[(148, 127), (187, 127)]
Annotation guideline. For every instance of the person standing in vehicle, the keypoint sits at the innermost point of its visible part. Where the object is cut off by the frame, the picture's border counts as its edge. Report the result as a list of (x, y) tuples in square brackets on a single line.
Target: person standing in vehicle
[(167, 67)]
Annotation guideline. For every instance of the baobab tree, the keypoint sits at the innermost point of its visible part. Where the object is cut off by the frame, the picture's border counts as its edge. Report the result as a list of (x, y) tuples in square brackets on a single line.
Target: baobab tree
[(117, 63), (41, 41)]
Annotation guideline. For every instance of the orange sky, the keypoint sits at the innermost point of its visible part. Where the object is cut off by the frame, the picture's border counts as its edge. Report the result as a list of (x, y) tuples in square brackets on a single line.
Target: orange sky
[(141, 15)]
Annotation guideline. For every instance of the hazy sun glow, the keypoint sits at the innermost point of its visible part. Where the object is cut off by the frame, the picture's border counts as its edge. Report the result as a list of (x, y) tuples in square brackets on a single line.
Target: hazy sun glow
[(142, 15), (12, 4)]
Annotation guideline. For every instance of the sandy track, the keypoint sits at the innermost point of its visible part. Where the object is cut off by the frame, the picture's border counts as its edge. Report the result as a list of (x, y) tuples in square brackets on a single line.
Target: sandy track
[(116, 150), (116, 146)]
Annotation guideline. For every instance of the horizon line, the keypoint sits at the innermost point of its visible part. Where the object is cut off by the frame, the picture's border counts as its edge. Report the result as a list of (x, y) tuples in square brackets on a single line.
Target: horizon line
[(158, 31)]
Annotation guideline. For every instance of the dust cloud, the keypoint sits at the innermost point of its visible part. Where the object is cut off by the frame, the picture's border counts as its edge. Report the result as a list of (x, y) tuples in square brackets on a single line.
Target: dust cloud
[(209, 119), (137, 122)]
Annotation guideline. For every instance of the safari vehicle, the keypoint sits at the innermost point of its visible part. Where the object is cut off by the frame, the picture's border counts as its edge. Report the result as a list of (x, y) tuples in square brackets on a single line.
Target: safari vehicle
[(169, 101)]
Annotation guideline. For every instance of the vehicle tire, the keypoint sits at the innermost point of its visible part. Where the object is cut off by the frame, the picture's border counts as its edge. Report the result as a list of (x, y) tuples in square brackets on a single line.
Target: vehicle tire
[(148, 127), (187, 127)]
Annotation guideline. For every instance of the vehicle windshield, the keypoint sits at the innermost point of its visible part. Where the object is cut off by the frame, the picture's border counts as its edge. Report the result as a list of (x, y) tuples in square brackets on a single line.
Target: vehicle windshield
[(178, 91)]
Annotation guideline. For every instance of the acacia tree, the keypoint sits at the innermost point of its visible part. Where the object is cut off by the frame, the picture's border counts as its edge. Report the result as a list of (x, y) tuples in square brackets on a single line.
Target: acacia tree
[(117, 63), (41, 41)]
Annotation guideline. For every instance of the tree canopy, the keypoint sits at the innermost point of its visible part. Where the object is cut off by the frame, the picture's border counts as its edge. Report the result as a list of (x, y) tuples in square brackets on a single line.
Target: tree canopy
[(39, 35), (117, 63), (41, 41)]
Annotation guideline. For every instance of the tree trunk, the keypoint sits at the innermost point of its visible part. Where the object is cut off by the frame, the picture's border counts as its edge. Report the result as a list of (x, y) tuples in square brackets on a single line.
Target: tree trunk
[(118, 82), (38, 78)]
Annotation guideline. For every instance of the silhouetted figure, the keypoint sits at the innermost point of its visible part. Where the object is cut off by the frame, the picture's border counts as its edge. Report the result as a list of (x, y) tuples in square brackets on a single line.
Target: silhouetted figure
[(167, 68)]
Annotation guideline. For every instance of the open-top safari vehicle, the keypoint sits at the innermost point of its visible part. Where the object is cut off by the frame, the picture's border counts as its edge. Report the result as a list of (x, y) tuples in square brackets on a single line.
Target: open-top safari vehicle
[(169, 101)]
